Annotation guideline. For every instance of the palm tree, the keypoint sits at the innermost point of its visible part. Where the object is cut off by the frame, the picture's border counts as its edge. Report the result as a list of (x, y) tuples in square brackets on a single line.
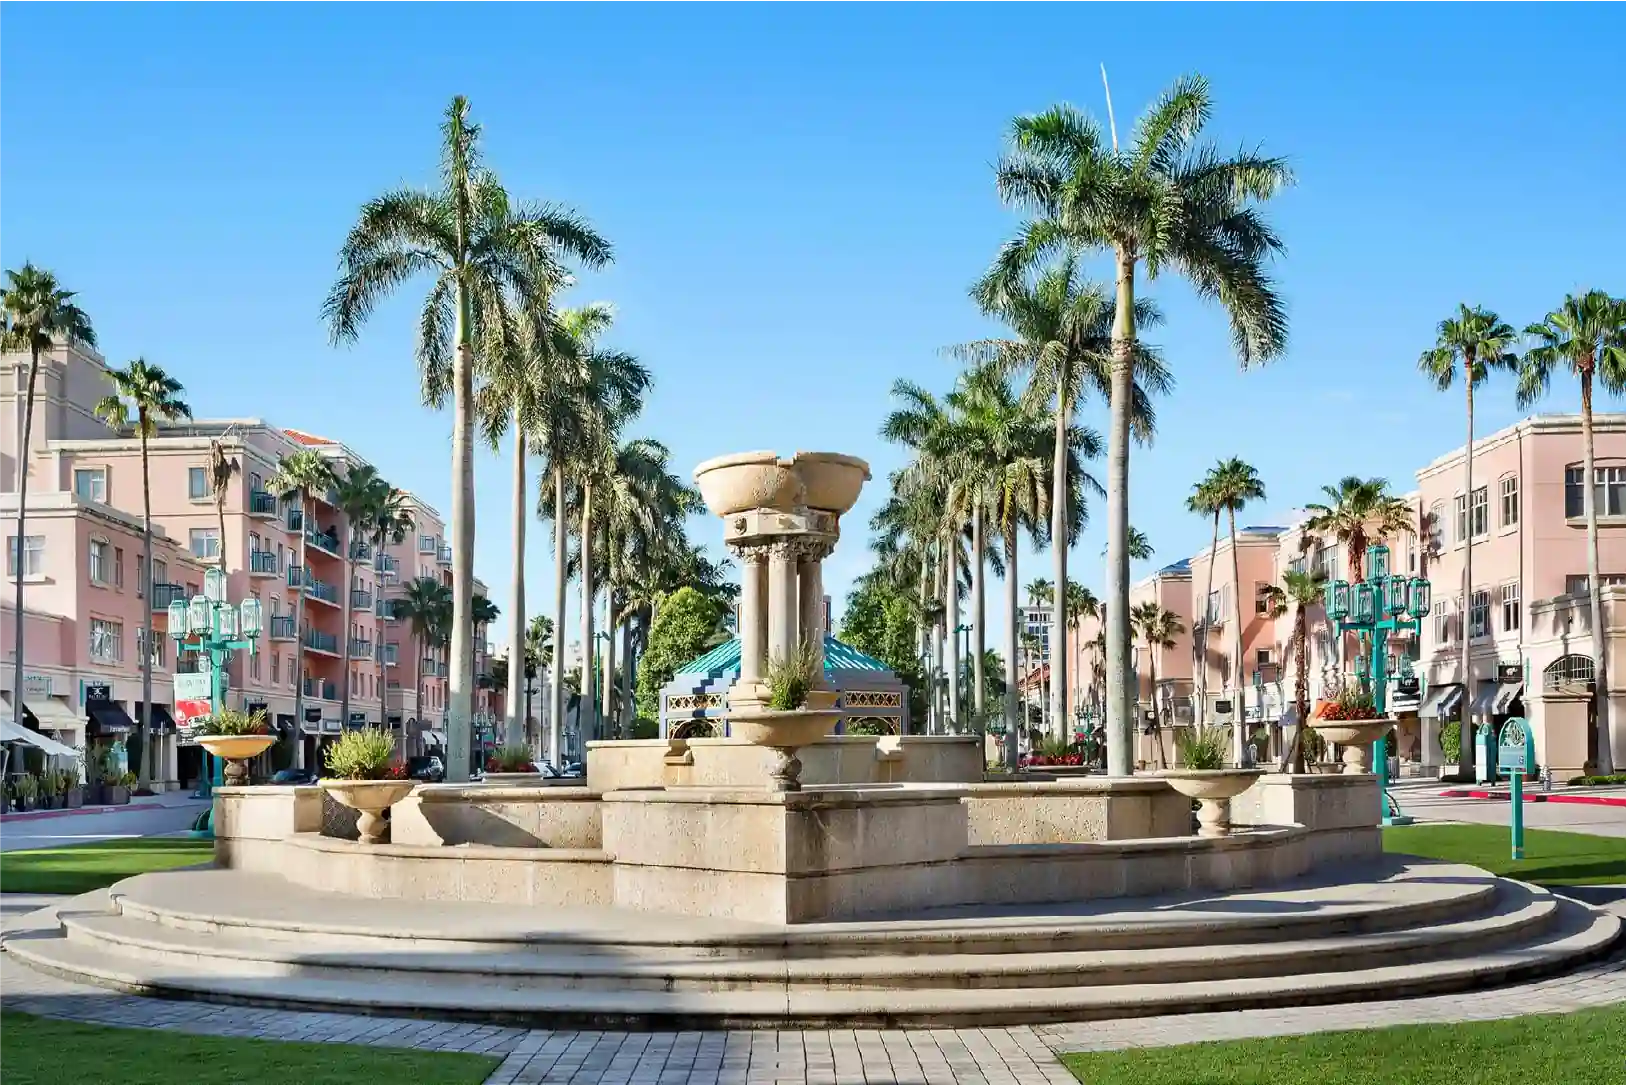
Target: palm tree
[(299, 475), (222, 469), (1081, 604), (1203, 501), (358, 495), (1585, 335), (1232, 484), (1167, 201), (1303, 591), (1359, 513), (37, 315), (1158, 628), (389, 522), (1140, 548), (155, 397), (479, 247), (1469, 345), (423, 604), (539, 656)]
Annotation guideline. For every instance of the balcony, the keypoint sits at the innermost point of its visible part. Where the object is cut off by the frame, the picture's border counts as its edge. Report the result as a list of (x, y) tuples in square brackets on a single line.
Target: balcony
[(263, 562), (326, 691), (426, 544), (262, 503), (295, 520), (318, 641), (361, 599), (165, 594), (385, 608), (360, 648), (314, 588), (327, 543), (282, 627), (444, 557), (384, 563), (361, 550), (386, 654), (434, 669)]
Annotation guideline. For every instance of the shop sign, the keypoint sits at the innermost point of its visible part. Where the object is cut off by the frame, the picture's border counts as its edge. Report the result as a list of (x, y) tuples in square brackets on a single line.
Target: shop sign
[(36, 685), (193, 699)]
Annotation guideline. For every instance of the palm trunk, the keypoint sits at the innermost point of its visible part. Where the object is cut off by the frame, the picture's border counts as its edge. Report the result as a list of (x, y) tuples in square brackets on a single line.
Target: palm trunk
[(1238, 726), (513, 724), (299, 646), (1295, 756), (1605, 763), (1059, 563), (350, 616), (383, 689), (607, 673), (460, 683), (145, 771), (556, 666), (925, 643), (1152, 695), (628, 712), (1120, 690), (939, 705), (1013, 617), (587, 707), (22, 538), (978, 707), (951, 621), (1465, 737), (1200, 640)]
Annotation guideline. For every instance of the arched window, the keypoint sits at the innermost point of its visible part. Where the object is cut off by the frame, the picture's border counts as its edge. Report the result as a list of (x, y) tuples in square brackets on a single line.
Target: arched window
[(1571, 670), (695, 729)]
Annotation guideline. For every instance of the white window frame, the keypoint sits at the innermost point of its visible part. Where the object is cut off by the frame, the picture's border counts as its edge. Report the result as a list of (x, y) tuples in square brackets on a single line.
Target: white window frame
[(99, 555), (1509, 597), (1479, 512), (206, 534), (1479, 600), (197, 474), (33, 556), (105, 641), (98, 487), (1508, 501)]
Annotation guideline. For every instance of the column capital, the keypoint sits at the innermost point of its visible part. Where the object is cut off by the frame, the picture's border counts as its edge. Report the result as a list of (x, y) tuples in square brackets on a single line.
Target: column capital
[(753, 554)]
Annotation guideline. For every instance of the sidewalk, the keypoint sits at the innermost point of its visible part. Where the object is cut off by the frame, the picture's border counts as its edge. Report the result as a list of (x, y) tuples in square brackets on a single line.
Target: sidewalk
[(168, 800), (1582, 796)]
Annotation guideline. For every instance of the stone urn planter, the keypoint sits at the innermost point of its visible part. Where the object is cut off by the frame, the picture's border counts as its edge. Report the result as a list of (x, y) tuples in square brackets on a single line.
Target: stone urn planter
[(513, 779), (1214, 789), (747, 480), (1357, 738), (236, 750), (785, 731), (370, 799)]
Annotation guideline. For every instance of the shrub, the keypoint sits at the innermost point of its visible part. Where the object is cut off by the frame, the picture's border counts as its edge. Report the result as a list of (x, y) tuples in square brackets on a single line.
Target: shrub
[(361, 755), (791, 677), (1597, 781), (510, 759), (684, 622), (25, 787), (126, 780), (867, 727), (1315, 745), (1201, 748), (1451, 735), (1353, 703), (643, 728), (232, 722)]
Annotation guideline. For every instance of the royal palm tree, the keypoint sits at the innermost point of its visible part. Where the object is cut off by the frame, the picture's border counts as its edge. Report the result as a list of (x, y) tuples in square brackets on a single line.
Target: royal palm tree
[(1586, 336), (423, 605), (1158, 628), (1081, 604), (358, 494), (1163, 201), (222, 469), (539, 656), (1469, 345), (1302, 591), (1204, 502), (1232, 485), (481, 249), (143, 395), (38, 314), (1139, 546), (389, 523), (299, 475)]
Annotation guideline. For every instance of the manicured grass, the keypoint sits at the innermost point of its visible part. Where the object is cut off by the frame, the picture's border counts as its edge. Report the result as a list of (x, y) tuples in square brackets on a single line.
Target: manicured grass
[(1577, 1049), (41, 1051), (1551, 857), (83, 867)]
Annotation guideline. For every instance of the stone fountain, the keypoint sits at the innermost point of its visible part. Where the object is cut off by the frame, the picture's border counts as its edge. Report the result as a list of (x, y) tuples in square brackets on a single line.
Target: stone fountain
[(782, 518)]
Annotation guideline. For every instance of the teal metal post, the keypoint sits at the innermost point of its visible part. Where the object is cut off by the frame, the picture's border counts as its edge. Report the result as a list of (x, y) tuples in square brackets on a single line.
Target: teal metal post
[(1516, 817), (219, 648)]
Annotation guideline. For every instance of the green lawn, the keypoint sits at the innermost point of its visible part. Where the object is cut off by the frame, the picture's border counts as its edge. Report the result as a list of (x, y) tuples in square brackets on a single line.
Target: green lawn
[(1575, 1049), (83, 867), (1551, 857), (40, 1051)]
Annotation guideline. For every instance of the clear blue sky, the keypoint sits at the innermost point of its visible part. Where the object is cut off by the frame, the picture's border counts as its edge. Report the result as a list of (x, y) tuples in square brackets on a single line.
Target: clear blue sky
[(805, 192)]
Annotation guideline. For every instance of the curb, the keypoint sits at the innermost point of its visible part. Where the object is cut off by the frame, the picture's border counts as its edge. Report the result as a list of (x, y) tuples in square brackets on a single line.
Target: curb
[(1503, 796), (130, 807)]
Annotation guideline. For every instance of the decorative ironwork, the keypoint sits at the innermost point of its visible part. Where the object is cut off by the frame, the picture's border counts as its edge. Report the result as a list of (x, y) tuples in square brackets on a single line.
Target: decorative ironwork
[(694, 702), (695, 729), (872, 698), (1571, 670), (859, 725)]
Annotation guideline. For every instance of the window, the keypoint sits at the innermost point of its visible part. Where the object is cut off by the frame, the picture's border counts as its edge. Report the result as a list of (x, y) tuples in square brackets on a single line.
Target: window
[(1262, 597), (160, 572), (101, 561), (90, 484), (106, 641), (276, 668), (33, 555), (254, 666), (1471, 515), (1445, 628), (1508, 501), (1511, 606), (1568, 670), (158, 646), (1609, 491), (1262, 657), (197, 483), (118, 566), (1480, 614), (205, 542), (1437, 524)]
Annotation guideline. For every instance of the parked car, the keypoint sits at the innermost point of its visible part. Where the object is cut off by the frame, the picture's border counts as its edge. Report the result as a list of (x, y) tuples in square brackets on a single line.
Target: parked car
[(573, 770), (294, 777), (428, 769)]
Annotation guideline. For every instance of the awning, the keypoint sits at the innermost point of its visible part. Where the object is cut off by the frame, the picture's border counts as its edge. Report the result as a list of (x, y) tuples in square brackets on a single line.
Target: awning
[(1484, 698), (1506, 696), (14, 732), (1442, 702), (435, 738), (162, 720), (108, 717), (53, 714)]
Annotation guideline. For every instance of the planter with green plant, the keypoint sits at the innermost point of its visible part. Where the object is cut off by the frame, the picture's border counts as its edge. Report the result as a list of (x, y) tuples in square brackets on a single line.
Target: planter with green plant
[(234, 737), (116, 788), (73, 795), (50, 790), (365, 775), (511, 766), (1352, 721), (798, 712), (25, 790), (1203, 775)]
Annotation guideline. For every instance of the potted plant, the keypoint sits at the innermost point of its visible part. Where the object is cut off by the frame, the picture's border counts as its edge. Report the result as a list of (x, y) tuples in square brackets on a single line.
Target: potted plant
[(116, 789), (511, 766), (27, 790), (797, 712), (234, 737), (1352, 721), (365, 776), (73, 794), (1205, 777), (48, 790)]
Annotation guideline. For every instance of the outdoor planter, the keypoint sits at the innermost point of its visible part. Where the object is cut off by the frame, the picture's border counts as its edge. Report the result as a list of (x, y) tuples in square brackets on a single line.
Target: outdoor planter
[(1357, 738), (370, 799), (785, 731), (75, 798), (1214, 789), (235, 750), (115, 795)]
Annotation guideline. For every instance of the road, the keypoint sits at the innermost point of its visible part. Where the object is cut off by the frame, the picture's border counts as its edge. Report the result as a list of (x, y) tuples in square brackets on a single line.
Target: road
[(85, 827), (1424, 803)]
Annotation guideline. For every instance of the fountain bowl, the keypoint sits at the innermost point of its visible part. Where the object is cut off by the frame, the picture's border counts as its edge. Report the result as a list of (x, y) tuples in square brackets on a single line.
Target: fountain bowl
[(743, 481), (831, 480)]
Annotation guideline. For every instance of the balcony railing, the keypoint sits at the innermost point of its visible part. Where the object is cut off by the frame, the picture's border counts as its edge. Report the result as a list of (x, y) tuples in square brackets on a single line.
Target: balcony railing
[(263, 561), (434, 669), (445, 556), (326, 543), (327, 691), (426, 544), (361, 648), (360, 598), (282, 627), (318, 641), (384, 563), (295, 519), (385, 608), (314, 588), (262, 503), (387, 654), (165, 594)]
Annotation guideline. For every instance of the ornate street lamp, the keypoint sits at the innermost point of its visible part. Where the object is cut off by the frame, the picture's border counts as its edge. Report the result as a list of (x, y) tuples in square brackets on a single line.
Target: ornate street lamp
[(1374, 608), (213, 625)]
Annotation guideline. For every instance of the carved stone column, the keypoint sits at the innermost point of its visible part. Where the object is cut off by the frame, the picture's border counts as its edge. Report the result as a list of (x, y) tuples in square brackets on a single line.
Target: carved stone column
[(753, 611), (783, 634), (811, 587)]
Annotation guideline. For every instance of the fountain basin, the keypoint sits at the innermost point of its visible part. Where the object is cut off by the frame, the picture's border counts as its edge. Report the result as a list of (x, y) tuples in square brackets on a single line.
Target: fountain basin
[(831, 480), (748, 480)]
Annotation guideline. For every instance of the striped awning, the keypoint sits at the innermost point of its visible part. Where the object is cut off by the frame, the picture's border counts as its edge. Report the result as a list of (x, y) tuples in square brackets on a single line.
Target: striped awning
[(1442, 702)]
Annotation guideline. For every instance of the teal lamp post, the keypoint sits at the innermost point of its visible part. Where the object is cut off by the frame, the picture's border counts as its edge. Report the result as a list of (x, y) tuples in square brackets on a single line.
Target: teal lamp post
[(1374, 608), (213, 625)]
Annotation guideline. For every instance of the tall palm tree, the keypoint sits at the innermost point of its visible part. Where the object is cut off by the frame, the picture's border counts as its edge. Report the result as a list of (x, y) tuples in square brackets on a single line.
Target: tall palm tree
[(37, 315), (480, 249), (1359, 513), (1302, 591), (358, 495), (1204, 502), (389, 522), (154, 396), (422, 605), (1139, 546), (1081, 604), (1166, 200), (1469, 346), (1585, 335), (300, 474), (1158, 628), (222, 469), (1233, 484), (539, 656)]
